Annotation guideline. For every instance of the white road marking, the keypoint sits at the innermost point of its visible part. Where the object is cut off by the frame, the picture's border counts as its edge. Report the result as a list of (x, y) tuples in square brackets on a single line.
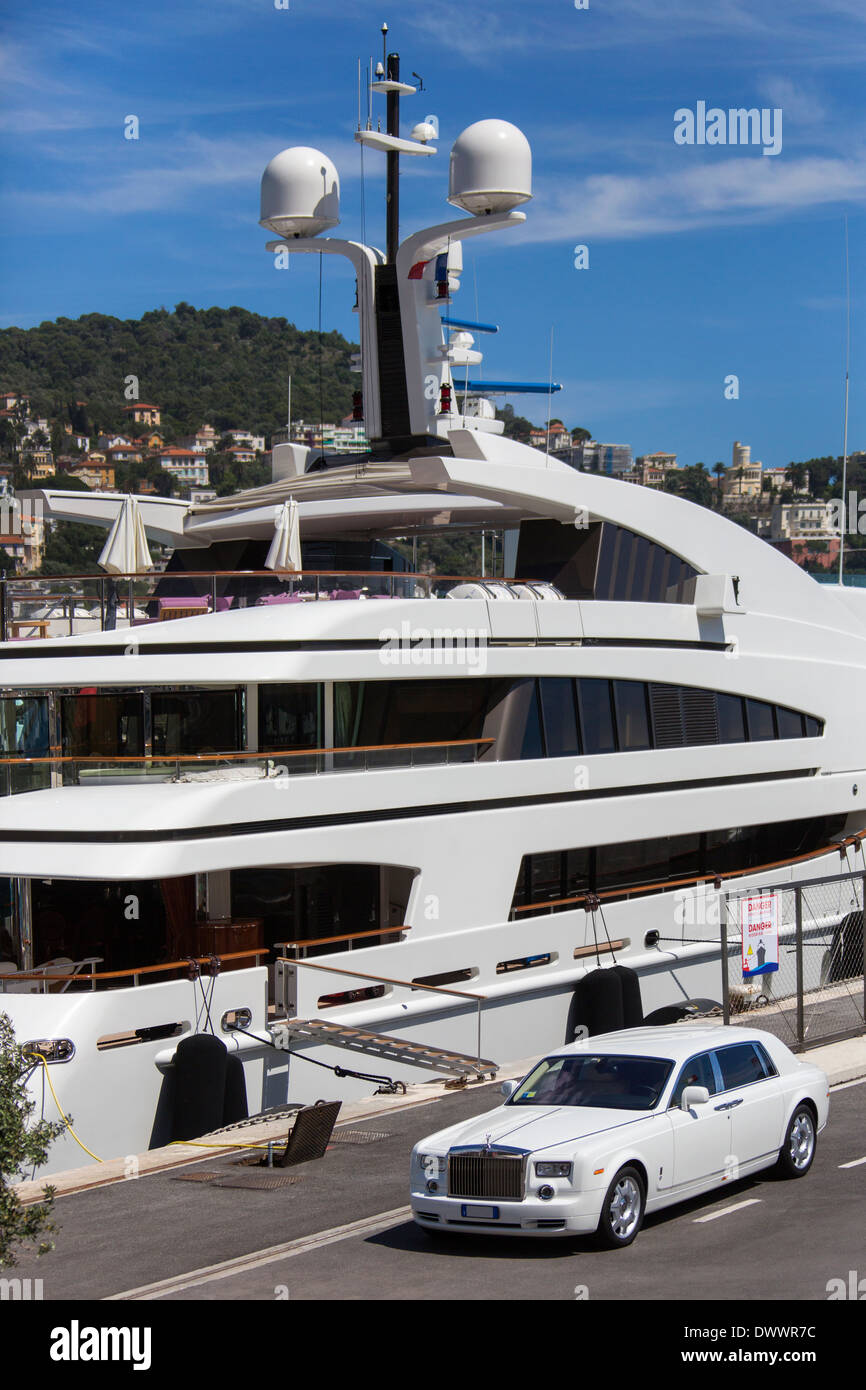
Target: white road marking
[(738, 1206), (368, 1226), (855, 1163), (845, 1085)]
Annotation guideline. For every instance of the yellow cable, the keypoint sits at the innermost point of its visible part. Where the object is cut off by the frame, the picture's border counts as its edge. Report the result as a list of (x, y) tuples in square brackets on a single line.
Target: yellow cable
[(192, 1144), (189, 1143), (40, 1058)]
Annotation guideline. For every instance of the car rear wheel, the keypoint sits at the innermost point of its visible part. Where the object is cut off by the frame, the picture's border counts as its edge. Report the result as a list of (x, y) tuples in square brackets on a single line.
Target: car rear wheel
[(623, 1209), (798, 1151)]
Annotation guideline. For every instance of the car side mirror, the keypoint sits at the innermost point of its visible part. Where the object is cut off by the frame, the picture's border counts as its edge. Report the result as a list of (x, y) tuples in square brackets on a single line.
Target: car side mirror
[(508, 1088), (694, 1095)]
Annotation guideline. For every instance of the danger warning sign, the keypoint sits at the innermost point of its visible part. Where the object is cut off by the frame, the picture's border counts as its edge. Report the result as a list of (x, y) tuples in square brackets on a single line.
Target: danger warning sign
[(759, 928)]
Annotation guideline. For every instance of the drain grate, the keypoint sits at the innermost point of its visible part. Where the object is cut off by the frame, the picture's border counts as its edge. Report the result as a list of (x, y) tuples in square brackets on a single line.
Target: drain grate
[(359, 1136), (265, 1179)]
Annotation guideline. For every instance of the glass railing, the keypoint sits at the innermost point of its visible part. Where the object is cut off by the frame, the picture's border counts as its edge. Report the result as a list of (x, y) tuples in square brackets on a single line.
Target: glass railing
[(24, 774), (33, 608)]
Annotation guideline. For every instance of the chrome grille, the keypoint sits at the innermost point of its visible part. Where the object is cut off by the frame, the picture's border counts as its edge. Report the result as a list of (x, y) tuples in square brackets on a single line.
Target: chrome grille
[(494, 1176)]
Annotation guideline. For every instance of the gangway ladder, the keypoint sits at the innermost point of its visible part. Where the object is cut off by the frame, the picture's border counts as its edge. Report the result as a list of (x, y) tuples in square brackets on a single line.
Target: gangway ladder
[(390, 1049)]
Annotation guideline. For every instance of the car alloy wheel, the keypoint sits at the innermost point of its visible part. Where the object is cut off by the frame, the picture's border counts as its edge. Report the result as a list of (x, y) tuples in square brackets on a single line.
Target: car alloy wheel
[(798, 1150), (622, 1213)]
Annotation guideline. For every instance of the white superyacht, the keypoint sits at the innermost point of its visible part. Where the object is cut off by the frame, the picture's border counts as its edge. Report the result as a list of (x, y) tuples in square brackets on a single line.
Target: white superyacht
[(468, 793)]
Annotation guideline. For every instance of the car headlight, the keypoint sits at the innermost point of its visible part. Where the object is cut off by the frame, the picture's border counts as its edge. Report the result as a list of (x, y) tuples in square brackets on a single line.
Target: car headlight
[(432, 1165), (553, 1170)]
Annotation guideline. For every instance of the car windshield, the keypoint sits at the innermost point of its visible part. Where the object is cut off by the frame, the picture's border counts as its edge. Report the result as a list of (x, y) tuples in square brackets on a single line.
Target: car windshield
[(602, 1082)]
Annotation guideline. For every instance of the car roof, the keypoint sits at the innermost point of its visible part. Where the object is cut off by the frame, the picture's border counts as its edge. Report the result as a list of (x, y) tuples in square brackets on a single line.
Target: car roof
[(676, 1040)]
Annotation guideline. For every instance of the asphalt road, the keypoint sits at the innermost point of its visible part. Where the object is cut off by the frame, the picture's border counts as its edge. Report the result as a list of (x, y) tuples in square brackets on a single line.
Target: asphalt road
[(341, 1232)]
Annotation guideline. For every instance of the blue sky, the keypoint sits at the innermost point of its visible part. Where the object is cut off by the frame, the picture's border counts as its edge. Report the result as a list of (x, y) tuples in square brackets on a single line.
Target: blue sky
[(703, 261)]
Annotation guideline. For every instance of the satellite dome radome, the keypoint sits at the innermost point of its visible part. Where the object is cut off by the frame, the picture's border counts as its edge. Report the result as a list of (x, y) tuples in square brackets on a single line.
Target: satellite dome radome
[(300, 193), (491, 168)]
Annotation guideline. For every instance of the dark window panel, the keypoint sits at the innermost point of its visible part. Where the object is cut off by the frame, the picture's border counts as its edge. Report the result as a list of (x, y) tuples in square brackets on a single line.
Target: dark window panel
[(109, 725), (740, 1066), (632, 723), (596, 717), (685, 856), (290, 716), (533, 737), (560, 718), (630, 866), (639, 587), (547, 877), (367, 713), (604, 573), (623, 563), (196, 721), (658, 565), (577, 872), (814, 727), (761, 723), (789, 723), (24, 726), (732, 720)]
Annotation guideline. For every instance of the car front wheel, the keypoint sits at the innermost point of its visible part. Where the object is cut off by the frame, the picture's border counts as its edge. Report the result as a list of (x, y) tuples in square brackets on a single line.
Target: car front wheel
[(798, 1151), (623, 1209)]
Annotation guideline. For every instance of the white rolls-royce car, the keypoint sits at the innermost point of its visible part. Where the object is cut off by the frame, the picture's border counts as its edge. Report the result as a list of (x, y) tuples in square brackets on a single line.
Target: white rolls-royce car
[(607, 1129)]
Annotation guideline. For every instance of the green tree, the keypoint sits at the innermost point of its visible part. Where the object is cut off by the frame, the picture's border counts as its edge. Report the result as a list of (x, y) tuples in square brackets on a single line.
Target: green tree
[(796, 476), (516, 426), (23, 1145), (692, 483), (72, 548)]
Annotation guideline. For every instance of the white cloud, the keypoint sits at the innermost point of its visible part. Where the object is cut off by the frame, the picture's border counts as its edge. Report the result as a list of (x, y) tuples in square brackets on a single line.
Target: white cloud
[(711, 194)]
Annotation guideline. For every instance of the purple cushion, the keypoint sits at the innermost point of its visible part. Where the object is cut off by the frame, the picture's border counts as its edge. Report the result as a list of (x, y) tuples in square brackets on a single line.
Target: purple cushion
[(183, 601)]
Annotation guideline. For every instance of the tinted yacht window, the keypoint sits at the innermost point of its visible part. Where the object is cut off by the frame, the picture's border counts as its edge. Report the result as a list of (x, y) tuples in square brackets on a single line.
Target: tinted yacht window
[(732, 720), (632, 723), (290, 716), (102, 724), (789, 722), (196, 721), (760, 717), (596, 717), (560, 719)]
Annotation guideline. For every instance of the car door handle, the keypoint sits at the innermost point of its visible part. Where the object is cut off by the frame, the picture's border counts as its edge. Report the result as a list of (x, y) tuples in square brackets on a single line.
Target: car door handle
[(730, 1105)]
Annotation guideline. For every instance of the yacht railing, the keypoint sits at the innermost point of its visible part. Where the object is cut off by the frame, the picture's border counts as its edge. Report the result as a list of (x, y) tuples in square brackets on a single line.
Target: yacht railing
[(67, 605), (410, 985), (24, 774), (48, 975)]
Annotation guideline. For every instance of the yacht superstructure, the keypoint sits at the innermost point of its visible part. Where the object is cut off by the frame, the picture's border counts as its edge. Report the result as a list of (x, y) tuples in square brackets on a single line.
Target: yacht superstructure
[(468, 793)]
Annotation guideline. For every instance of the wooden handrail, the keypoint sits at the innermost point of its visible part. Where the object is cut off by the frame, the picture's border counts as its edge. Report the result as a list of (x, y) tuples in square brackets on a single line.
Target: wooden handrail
[(135, 970), (151, 758), (350, 936), (661, 886), (157, 576), (382, 979)]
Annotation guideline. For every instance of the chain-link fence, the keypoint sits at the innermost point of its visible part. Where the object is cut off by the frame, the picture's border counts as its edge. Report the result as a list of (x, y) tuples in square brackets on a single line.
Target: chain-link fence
[(793, 959)]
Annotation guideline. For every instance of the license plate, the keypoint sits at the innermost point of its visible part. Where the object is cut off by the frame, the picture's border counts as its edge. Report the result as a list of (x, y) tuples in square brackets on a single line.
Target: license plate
[(480, 1213)]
